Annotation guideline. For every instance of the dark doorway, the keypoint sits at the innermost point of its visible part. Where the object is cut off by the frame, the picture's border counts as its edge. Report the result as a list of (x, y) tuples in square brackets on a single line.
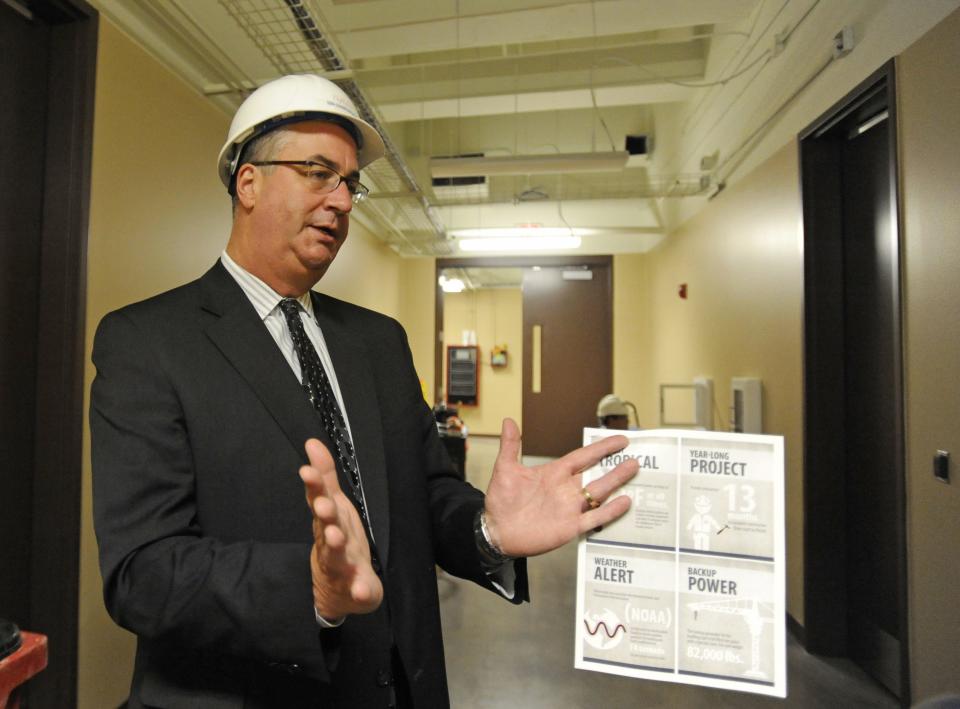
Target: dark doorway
[(48, 54), (855, 548), (572, 315)]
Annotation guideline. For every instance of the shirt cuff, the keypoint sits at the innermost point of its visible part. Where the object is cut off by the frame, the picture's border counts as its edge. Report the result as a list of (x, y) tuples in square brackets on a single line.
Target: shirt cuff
[(336, 622), (503, 578)]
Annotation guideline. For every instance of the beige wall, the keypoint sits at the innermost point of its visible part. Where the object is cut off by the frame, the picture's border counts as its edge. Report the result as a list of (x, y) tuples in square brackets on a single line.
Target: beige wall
[(741, 260), (632, 321), (418, 315), (929, 103), (366, 272), (496, 315), (159, 217)]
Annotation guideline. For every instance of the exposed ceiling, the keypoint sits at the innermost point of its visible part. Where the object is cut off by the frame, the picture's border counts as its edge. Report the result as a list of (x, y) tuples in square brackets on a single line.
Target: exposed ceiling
[(549, 83)]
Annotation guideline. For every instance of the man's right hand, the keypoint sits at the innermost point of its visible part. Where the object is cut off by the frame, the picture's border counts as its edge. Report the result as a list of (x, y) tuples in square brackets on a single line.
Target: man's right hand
[(344, 581)]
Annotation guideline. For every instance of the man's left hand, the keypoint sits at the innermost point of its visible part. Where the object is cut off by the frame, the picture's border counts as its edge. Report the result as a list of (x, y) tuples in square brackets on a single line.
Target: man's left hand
[(344, 581), (531, 511)]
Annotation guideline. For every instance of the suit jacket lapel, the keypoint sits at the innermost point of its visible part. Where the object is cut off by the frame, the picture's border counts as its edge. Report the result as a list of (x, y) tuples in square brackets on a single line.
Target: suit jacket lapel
[(243, 339), (354, 375)]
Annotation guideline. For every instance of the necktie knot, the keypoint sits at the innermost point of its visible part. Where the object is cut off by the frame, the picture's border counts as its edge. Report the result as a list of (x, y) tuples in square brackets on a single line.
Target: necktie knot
[(290, 308)]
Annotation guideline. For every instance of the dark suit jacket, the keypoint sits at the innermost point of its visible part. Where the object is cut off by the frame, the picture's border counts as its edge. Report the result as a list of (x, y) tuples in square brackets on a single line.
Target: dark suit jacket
[(198, 425)]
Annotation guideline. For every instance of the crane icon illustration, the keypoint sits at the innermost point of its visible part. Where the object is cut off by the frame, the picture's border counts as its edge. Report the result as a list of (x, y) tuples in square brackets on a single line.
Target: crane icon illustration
[(754, 613)]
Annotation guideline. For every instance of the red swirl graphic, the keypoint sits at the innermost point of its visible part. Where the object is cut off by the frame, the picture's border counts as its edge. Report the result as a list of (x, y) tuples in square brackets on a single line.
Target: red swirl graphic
[(606, 629)]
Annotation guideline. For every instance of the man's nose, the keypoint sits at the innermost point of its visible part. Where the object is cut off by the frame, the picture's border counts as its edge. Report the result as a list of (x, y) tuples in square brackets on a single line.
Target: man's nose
[(340, 200)]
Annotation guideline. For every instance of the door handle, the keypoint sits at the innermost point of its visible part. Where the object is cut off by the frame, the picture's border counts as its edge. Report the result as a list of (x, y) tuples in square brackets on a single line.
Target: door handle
[(536, 354)]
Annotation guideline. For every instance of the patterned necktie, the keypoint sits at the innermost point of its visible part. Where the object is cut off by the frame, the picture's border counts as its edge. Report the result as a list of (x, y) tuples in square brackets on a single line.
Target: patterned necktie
[(320, 393)]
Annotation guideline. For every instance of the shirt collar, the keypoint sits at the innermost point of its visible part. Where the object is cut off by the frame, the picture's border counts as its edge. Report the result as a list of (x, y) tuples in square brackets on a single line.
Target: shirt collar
[(264, 298)]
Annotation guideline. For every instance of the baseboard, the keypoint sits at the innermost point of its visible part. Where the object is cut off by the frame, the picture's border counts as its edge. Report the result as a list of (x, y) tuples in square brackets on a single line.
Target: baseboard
[(796, 630)]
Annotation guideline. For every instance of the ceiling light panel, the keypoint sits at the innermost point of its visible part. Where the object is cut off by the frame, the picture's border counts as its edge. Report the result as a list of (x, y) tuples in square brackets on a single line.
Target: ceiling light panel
[(525, 232), (514, 243), (592, 214)]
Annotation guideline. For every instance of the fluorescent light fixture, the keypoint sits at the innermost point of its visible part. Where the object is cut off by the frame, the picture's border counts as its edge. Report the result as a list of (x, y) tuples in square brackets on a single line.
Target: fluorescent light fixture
[(528, 164), (535, 232), (451, 285), (520, 243)]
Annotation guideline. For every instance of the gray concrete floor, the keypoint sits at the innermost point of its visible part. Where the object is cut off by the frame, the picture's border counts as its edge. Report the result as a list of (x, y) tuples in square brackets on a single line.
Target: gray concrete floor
[(501, 655)]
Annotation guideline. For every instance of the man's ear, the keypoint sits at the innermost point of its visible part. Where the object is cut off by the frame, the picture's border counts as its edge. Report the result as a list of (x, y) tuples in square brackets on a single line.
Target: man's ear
[(248, 185)]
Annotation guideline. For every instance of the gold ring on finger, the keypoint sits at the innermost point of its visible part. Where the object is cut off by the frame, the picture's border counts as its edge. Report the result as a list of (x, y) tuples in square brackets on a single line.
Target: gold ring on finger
[(591, 502)]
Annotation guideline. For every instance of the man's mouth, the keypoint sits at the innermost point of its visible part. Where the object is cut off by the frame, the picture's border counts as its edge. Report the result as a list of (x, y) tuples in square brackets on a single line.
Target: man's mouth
[(329, 231)]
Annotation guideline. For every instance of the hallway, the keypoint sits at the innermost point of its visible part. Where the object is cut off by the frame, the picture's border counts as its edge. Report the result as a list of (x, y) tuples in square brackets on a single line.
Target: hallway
[(499, 655)]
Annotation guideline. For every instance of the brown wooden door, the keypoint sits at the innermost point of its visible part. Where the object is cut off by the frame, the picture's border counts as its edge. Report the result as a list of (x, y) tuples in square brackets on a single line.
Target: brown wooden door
[(48, 56), (567, 355), (871, 415), (23, 95), (855, 570)]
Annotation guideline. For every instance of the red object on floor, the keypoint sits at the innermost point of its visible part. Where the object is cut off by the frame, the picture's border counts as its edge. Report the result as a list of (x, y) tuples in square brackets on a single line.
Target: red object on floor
[(17, 668)]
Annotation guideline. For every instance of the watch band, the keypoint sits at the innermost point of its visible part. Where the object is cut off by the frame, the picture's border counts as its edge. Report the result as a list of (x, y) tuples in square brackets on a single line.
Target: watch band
[(490, 554)]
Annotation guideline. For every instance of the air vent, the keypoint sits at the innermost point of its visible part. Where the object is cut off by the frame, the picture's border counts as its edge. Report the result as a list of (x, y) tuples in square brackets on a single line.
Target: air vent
[(471, 187), (458, 181)]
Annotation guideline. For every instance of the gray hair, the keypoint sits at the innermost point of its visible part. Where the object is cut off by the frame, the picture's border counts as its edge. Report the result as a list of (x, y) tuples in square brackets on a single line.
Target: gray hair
[(263, 147)]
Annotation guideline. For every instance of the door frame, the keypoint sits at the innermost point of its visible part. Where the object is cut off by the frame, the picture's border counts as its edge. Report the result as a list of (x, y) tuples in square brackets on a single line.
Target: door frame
[(824, 444), (494, 262), (51, 516)]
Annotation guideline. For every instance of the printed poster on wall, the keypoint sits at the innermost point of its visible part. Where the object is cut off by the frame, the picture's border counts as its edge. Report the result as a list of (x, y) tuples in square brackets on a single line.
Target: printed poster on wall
[(689, 585)]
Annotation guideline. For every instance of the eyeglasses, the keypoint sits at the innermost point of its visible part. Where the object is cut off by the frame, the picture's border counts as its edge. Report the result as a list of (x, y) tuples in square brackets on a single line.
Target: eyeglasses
[(322, 178)]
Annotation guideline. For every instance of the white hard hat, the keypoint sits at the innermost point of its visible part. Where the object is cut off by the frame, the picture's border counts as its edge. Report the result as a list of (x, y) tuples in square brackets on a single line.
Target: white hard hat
[(289, 99), (611, 405)]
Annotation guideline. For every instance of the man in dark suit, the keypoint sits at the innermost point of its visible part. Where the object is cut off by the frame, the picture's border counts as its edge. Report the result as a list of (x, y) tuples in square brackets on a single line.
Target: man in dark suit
[(210, 397)]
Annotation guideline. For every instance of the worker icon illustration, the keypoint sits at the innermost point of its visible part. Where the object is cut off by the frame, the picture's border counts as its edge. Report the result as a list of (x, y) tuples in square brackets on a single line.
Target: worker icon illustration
[(702, 523)]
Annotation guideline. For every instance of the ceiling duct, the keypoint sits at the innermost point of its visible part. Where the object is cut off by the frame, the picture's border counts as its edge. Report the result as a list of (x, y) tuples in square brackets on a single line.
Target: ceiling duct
[(565, 187), (528, 164)]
